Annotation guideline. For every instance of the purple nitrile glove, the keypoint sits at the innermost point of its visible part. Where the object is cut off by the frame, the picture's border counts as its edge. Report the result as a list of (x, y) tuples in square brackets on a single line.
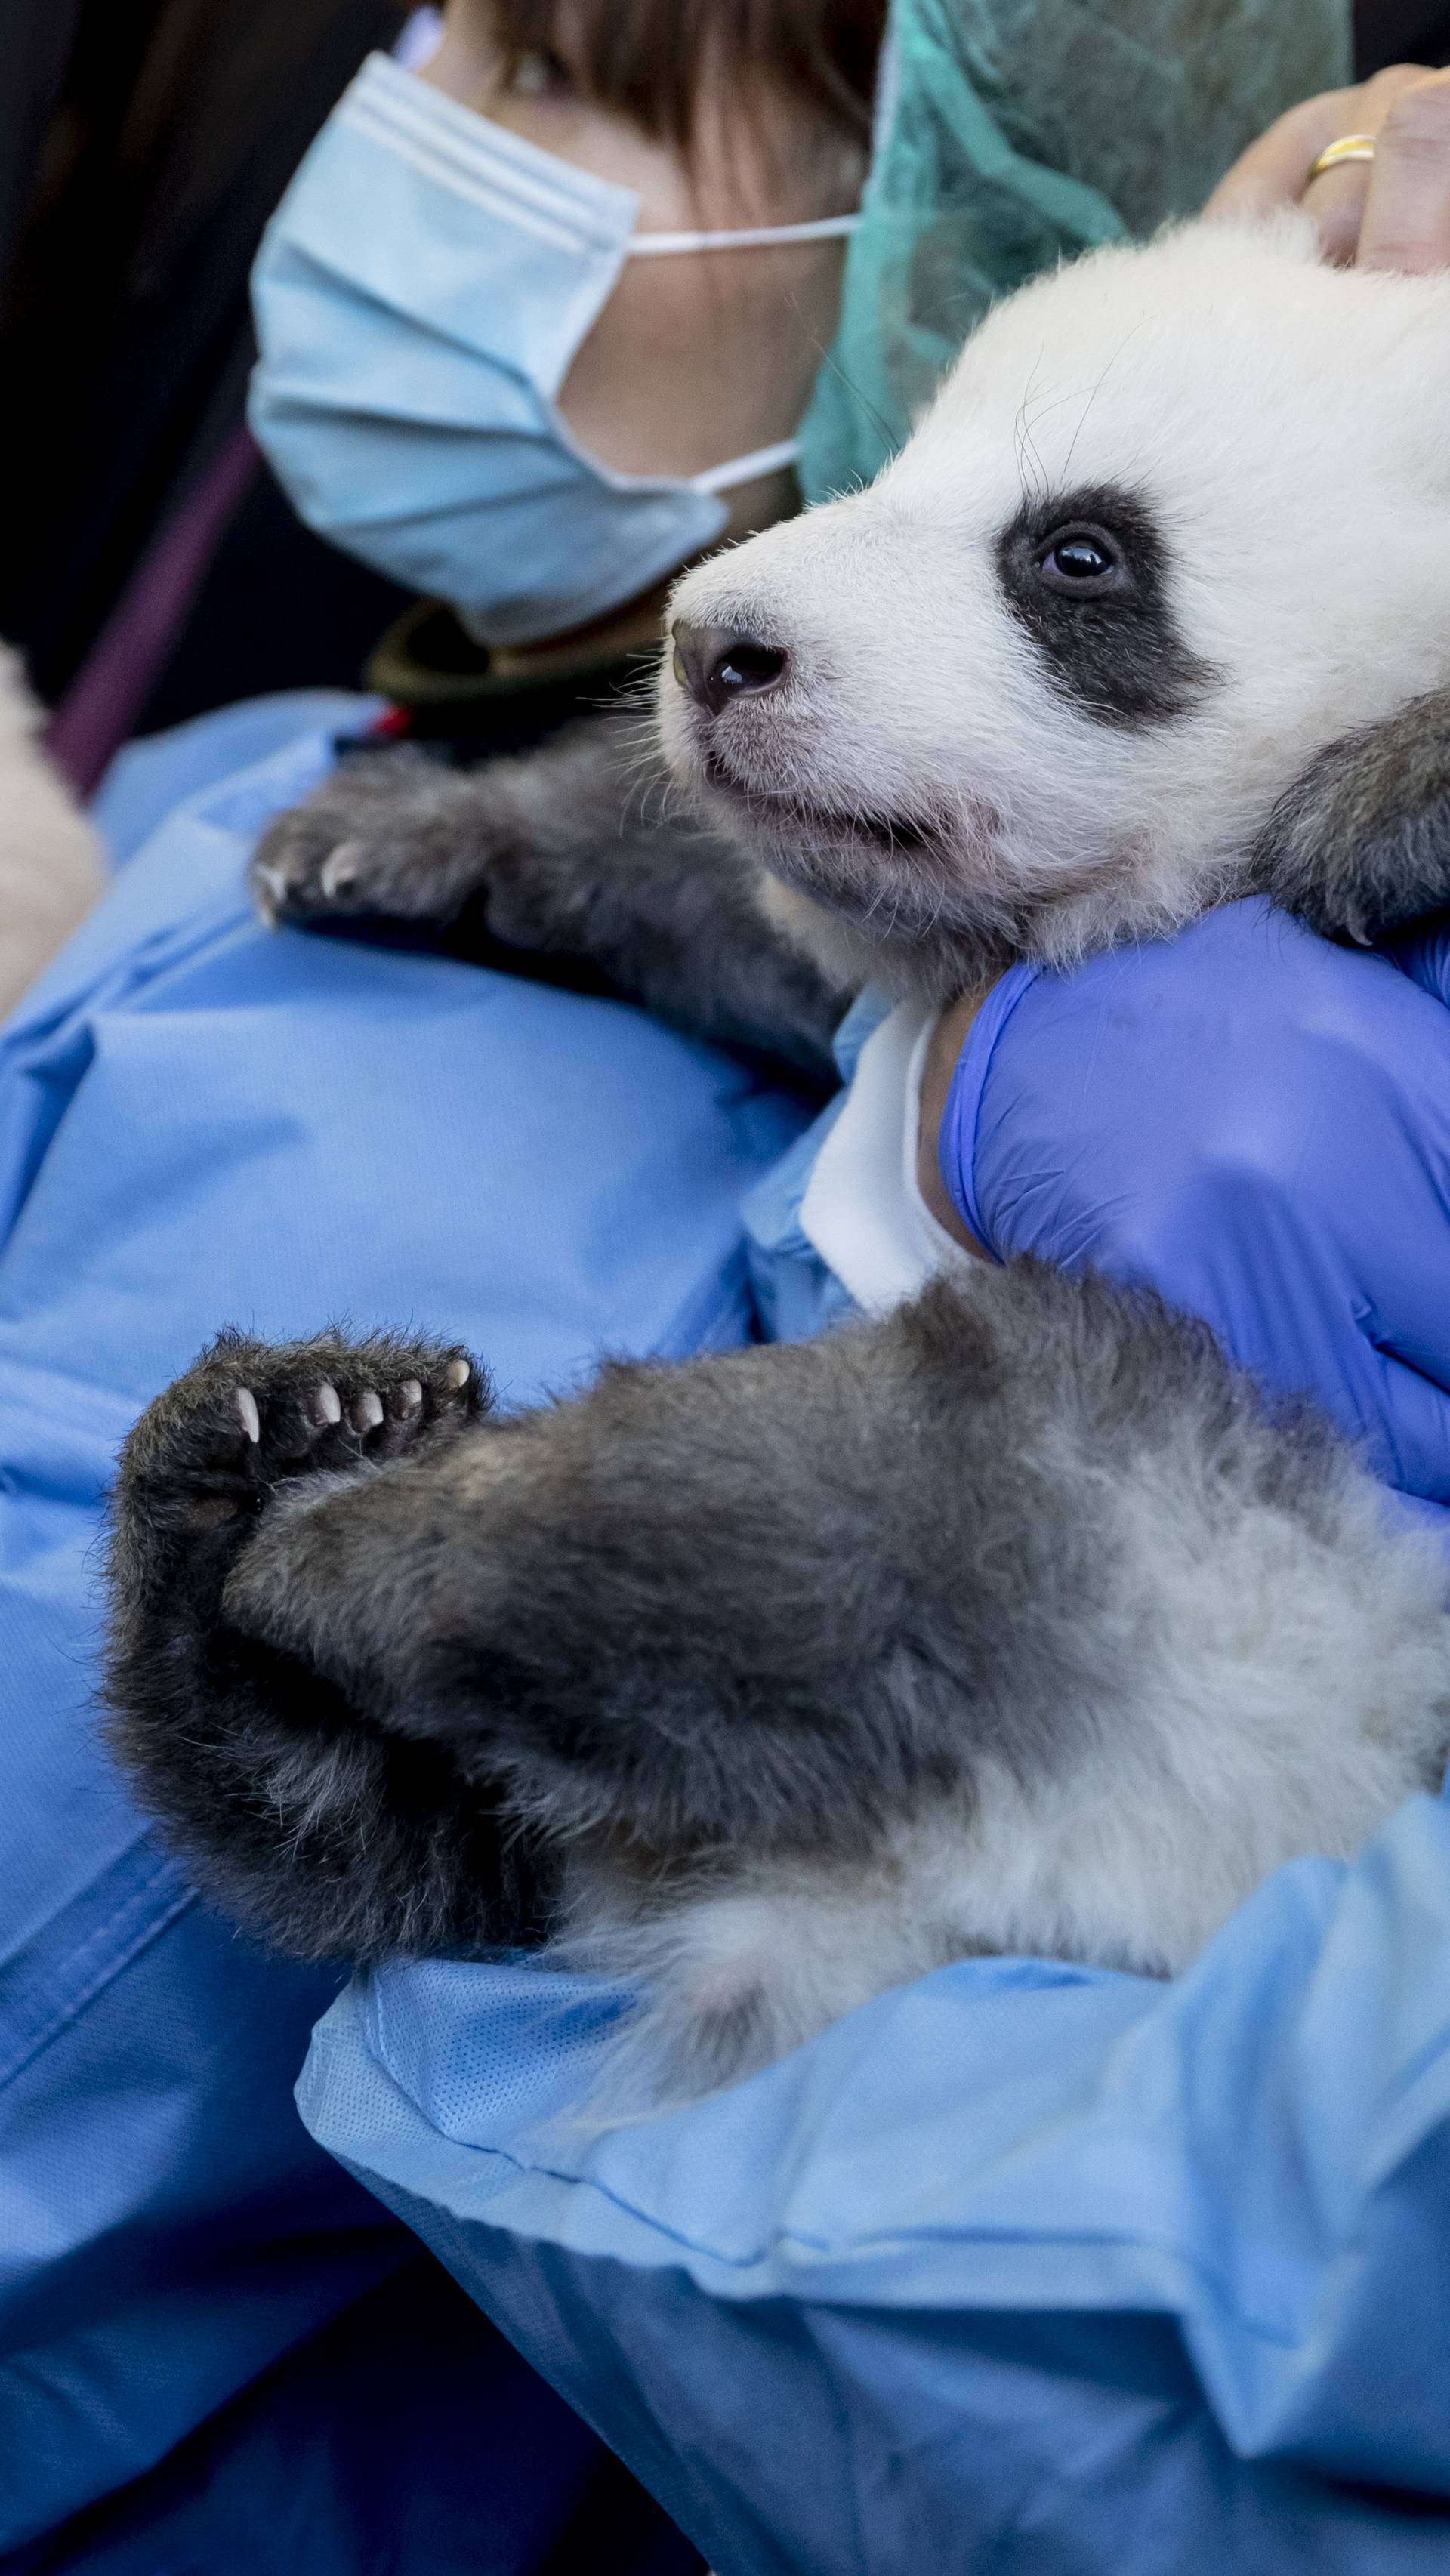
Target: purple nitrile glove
[(1258, 1125)]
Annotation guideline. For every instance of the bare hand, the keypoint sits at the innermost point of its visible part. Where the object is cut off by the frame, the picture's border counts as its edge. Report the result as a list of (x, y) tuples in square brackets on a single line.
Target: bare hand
[(1393, 212)]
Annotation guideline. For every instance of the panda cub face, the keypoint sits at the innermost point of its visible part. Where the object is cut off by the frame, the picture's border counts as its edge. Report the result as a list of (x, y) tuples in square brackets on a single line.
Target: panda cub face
[(1179, 519)]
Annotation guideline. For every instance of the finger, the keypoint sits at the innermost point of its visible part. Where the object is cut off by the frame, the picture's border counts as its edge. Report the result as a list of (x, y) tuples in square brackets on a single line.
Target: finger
[(1275, 170), (1337, 200), (1407, 209)]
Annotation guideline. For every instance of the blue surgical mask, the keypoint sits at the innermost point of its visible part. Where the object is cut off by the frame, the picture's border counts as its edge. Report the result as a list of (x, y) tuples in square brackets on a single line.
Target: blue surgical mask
[(420, 294)]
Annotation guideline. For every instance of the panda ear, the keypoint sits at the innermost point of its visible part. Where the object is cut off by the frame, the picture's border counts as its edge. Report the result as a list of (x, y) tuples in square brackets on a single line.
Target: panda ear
[(1360, 844)]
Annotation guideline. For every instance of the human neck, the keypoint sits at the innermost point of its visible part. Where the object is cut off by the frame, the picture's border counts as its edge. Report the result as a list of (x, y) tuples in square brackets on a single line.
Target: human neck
[(634, 628), (638, 625)]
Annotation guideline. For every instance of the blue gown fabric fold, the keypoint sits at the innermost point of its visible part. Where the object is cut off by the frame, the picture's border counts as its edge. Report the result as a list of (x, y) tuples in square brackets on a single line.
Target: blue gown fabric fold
[(1025, 2265), (203, 1123)]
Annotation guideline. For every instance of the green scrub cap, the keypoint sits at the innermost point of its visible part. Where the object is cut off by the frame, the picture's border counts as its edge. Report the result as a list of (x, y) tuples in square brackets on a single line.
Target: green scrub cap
[(1011, 134)]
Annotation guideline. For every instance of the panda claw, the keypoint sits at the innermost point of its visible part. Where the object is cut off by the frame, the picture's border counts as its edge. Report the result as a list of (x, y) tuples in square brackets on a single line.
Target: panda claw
[(340, 870), (271, 889)]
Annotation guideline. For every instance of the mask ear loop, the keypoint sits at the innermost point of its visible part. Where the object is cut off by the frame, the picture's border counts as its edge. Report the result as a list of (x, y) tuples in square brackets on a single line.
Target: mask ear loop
[(749, 237), (747, 469)]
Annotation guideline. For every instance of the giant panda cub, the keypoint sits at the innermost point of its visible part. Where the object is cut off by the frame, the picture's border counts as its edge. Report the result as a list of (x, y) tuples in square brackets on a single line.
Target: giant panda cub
[(1010, 1619)]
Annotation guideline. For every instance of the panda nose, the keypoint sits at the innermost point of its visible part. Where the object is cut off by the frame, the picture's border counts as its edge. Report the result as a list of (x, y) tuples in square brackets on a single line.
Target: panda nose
[(717, 665)]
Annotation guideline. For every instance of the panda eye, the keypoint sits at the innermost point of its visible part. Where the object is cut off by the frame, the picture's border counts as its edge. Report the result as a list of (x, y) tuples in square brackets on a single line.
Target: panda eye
[(1080, 562)]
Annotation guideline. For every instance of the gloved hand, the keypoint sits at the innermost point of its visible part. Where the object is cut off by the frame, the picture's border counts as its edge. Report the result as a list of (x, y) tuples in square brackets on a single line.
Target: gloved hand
[(1257, 1124)]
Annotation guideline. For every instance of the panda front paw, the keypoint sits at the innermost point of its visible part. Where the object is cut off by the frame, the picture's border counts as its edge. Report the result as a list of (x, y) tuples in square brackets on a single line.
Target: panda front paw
[(251, 1416), (379, 838), (330, 1837), (1359, 846)]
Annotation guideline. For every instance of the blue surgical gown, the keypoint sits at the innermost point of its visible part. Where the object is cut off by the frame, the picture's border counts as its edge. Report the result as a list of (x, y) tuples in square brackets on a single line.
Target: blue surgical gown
[(202, 1123)]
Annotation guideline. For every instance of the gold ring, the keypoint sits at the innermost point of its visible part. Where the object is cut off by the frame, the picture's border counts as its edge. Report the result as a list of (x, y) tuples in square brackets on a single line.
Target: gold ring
[(1350, 147)]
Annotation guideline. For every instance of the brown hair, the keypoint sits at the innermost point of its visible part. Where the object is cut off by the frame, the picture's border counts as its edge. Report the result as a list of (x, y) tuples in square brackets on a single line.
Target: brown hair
[(647, 59)]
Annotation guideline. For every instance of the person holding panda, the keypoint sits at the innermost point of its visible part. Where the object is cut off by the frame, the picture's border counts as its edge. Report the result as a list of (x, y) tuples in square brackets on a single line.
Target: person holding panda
[(1077, 1113), (1415, 234)]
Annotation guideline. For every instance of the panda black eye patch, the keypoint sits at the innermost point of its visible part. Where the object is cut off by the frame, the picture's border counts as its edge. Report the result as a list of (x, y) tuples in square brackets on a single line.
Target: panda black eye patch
[(1087, 573)]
